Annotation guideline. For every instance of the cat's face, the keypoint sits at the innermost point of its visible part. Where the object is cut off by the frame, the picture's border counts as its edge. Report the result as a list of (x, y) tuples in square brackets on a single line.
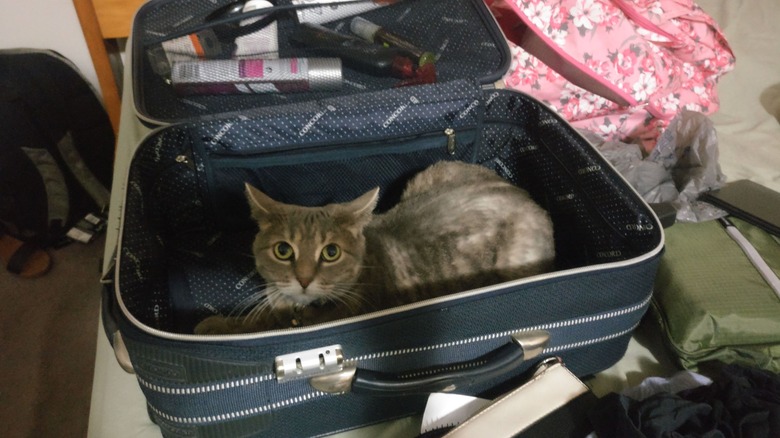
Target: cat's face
[(309, 254)]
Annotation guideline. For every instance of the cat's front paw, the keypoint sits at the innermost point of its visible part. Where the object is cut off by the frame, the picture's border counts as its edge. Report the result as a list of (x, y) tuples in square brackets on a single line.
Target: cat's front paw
[(216, 325), (221, 325)]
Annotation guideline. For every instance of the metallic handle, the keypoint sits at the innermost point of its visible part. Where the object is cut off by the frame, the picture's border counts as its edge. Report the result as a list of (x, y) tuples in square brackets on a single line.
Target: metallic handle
[(523, 346)]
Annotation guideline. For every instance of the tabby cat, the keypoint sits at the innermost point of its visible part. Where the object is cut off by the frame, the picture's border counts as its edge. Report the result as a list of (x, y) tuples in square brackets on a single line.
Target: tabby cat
[(457, 226)]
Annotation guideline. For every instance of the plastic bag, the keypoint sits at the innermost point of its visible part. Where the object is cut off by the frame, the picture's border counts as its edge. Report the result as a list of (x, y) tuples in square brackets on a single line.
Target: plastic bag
[(683, 165)]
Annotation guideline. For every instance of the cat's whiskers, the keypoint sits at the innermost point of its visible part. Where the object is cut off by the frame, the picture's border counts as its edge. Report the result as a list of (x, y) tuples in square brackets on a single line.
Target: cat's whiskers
[(265, 306), (347, 294), (254, 289), (257, 312), (245, 306), (258, 294)]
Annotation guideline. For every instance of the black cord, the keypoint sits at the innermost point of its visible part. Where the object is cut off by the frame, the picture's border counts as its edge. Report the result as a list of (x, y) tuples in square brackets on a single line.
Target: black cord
[(271, 12)]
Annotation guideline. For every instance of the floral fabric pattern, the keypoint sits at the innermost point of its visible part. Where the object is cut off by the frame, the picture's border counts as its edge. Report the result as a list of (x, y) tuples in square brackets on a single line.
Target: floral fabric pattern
[(623, 68)]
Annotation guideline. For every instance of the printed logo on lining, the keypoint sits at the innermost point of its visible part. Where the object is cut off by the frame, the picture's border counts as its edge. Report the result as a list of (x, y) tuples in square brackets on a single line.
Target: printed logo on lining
[(313, 121), (615, 253), (398, 111), (468, 109), (243, 281), (639, 227), (221, 133), (589, 169)]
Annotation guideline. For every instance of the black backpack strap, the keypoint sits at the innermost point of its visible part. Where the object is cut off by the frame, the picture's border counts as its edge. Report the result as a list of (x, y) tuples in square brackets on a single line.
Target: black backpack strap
[(57, 198), (62, 140)]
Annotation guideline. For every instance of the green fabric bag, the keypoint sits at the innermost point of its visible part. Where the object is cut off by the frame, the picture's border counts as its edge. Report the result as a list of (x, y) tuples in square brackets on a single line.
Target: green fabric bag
[(712, 303)]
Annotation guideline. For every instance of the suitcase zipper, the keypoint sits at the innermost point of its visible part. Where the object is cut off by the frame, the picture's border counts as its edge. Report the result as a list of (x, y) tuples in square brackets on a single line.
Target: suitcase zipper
[(313, 153), (354, 361), (549, 326), (271, 377)]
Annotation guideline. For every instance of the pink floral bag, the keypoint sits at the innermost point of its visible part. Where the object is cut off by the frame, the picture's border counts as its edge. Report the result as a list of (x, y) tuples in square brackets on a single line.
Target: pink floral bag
[(620, 68)]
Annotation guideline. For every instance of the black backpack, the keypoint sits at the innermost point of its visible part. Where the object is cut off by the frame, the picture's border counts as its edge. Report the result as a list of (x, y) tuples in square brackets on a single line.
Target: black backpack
[(56, 147)]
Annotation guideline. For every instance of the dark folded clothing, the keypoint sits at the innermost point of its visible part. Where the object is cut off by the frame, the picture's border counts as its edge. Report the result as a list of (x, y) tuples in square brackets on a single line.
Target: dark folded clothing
[(741, 402)]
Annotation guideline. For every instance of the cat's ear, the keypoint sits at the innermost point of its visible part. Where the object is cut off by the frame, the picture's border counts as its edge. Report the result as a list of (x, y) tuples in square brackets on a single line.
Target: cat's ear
[(259, 203), (366, 203), (360, 209)]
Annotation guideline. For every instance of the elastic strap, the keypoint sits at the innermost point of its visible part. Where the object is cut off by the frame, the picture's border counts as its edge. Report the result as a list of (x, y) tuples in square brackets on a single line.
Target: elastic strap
[(269, 12)]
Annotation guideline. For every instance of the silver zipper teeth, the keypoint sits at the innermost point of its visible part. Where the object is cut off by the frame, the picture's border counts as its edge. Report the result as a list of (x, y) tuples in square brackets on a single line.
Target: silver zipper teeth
[(590, 341), (488, 337), (315, 394), (205, 389), (551, 350), (312, 395), (237, 414), (383, 354)]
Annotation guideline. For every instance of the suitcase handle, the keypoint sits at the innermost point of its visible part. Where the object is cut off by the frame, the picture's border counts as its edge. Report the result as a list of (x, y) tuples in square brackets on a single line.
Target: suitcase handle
[(522, 346)]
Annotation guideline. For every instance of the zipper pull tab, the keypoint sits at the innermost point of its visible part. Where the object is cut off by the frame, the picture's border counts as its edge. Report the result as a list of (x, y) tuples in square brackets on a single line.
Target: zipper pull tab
[(185, 160), (450, 133)]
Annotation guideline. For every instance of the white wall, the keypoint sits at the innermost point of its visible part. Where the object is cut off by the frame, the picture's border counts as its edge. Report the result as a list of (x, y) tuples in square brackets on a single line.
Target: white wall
[(46, 24)]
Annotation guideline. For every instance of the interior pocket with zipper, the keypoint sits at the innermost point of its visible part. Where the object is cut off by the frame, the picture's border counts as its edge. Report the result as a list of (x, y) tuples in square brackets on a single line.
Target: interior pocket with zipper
[(339, 173)]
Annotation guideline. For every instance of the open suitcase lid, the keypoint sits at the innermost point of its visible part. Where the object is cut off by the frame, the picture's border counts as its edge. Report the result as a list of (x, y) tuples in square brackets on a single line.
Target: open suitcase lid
[(460, 36)]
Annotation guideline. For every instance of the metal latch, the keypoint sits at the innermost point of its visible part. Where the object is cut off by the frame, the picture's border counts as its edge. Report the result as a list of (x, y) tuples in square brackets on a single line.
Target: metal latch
[(533, 342), (309, 363)]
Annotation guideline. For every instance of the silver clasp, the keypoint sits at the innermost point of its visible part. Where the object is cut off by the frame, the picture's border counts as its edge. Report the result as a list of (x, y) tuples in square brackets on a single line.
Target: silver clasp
[(309, 363)]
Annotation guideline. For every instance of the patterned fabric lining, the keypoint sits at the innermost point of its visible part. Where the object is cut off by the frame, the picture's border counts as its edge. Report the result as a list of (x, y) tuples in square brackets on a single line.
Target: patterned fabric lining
[(186, 240)]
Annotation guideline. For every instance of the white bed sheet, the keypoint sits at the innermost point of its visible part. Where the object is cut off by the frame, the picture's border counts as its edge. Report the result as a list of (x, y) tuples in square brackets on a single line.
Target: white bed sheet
[(749, 141), (748, 122)]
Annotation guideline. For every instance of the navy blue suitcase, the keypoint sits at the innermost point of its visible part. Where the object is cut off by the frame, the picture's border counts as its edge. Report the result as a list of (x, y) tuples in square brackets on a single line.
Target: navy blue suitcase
[(184, 244)]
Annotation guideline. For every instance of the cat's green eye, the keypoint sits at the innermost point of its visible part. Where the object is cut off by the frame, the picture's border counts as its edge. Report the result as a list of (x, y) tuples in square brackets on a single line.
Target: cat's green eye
[(331, 253), (283, 251)]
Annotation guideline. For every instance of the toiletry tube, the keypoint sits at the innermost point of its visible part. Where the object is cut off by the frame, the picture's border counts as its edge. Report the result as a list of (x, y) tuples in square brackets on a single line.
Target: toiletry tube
[(355, 52), (200, 45), (374, 33), (248, 76), (212, 44)]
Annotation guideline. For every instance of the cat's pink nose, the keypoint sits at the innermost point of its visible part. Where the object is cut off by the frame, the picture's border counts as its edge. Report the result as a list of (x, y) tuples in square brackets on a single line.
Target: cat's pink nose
[(304, 281)]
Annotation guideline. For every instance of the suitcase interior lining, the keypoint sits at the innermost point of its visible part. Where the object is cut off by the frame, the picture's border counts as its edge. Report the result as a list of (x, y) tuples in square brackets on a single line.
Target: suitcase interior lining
[(186, 238)]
